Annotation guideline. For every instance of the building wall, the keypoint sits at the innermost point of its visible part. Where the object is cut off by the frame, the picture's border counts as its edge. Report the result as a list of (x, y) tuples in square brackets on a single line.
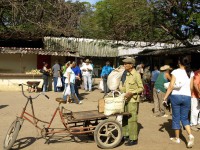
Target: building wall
[(61, 59), (16, 63)]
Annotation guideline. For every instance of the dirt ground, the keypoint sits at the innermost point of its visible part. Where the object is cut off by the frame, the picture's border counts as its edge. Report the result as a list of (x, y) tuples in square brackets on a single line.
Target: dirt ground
[(154, 133)]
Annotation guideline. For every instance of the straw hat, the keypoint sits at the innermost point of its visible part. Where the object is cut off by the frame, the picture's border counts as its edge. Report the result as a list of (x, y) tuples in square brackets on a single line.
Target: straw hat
[(87, 61), (165, 67)]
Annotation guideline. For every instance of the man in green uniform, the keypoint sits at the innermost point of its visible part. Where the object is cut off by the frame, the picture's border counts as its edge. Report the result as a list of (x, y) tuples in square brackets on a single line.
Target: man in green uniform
[(132, 87)]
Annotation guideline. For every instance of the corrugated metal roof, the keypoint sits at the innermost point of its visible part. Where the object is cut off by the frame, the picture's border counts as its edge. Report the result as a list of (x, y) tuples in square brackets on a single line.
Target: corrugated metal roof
[(96, 48), (85, 47), (38, 51), (173, 51)]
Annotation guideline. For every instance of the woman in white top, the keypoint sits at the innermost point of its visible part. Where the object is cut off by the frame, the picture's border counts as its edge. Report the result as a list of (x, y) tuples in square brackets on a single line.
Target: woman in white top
[(181, 86), (70, 80)]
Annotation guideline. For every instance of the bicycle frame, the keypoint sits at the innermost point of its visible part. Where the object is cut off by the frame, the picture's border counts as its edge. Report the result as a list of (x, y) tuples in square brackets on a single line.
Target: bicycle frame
[(26, 116)]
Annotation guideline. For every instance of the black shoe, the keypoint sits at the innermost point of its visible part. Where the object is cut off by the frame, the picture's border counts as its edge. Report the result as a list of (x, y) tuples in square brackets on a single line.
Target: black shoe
[(131, 143), (125, 138)]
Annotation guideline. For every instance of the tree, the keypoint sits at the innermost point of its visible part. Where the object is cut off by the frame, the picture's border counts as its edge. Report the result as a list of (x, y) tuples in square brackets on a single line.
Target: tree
[(37, 18), (122, 20), (179, 18), (144, 20)]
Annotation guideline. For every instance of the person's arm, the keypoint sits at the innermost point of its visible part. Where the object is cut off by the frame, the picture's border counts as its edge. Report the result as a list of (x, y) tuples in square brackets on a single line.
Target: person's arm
[(52, 69), (170, 88), (68, 78), (83, 68), (90, 68), (195, 85), (59, 71), (45, 68), (192, 85), (168, 76)]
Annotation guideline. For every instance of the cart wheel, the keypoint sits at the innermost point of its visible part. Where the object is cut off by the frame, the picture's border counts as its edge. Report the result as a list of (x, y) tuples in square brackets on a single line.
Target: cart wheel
[(108, 134), (11, 135)]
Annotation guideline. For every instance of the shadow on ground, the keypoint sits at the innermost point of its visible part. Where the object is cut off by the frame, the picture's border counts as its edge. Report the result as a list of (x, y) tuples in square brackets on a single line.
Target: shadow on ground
[(3, 106), (23, 143), (67, 139), (167, 126)]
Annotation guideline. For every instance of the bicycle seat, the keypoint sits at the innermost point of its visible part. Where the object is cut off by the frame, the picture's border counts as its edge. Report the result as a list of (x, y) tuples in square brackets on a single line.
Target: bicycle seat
[(61, 100)]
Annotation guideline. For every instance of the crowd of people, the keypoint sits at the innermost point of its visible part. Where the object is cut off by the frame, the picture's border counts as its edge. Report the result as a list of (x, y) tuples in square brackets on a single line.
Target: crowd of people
[(68, 78), (178, 88)]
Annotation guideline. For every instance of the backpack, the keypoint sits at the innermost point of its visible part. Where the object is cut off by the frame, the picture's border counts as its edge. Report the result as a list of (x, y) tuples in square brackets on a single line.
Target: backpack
[(41, 71), (44, 72)]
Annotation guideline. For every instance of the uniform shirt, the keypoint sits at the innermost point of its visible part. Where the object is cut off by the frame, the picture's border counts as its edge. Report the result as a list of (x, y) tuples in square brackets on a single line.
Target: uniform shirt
[(133, 84)]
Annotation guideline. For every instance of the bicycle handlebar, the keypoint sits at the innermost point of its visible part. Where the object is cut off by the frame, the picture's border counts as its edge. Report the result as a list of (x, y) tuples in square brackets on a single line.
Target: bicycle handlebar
[(30, 96)]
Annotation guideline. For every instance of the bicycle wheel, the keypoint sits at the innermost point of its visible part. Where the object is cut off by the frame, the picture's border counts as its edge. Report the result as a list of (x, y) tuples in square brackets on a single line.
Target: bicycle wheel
[(11, 135), (108, 134)]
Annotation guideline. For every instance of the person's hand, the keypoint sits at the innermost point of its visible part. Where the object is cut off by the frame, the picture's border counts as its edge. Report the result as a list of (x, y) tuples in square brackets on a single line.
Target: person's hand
[(77, 77), (165, 103), (128, 95), (165, 100)]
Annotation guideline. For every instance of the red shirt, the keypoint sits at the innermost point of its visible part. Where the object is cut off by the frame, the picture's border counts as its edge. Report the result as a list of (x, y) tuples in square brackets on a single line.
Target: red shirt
[(196, 82)]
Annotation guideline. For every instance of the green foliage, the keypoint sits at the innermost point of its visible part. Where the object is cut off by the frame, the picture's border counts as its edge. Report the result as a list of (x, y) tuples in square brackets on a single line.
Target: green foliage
[(138, 20), (143, 20), (39, 18), (121, 20), (178, 18)]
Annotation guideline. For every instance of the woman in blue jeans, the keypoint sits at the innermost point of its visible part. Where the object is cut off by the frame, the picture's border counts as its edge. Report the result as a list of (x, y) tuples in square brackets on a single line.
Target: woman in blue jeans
[(180, 89), (70, 80)]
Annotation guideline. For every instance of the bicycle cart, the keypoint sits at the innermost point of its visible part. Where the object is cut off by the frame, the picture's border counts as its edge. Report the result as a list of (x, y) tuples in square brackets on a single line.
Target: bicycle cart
[(33, 86), (106, 130)]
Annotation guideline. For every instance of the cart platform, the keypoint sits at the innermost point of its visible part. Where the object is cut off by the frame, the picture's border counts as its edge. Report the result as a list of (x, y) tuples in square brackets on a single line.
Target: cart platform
[(89, 115)]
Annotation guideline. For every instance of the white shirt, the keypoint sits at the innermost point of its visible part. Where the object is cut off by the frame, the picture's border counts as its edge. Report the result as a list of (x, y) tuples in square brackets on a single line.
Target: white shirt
[(183, 81), (72, 75), (86, 67), (139, 69)]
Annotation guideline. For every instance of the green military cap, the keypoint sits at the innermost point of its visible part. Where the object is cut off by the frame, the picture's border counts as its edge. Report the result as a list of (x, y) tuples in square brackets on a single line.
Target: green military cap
[(129, 60)]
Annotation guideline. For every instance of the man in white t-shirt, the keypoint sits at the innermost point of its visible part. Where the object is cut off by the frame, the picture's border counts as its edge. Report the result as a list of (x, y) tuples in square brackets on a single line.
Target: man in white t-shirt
[(87, 75)]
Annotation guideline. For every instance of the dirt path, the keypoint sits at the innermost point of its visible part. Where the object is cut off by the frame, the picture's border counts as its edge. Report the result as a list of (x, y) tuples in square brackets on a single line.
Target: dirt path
[(154, 132)]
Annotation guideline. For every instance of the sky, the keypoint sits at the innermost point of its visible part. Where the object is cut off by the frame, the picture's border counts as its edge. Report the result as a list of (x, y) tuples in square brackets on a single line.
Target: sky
[(91, 1)]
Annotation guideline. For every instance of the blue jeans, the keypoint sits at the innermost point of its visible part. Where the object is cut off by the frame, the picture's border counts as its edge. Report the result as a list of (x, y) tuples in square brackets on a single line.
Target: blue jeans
[(73, 94), (105, 86), (76, 88), (45, 83), (180, 108), (55, 80), (87, 82), (63, 83)]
